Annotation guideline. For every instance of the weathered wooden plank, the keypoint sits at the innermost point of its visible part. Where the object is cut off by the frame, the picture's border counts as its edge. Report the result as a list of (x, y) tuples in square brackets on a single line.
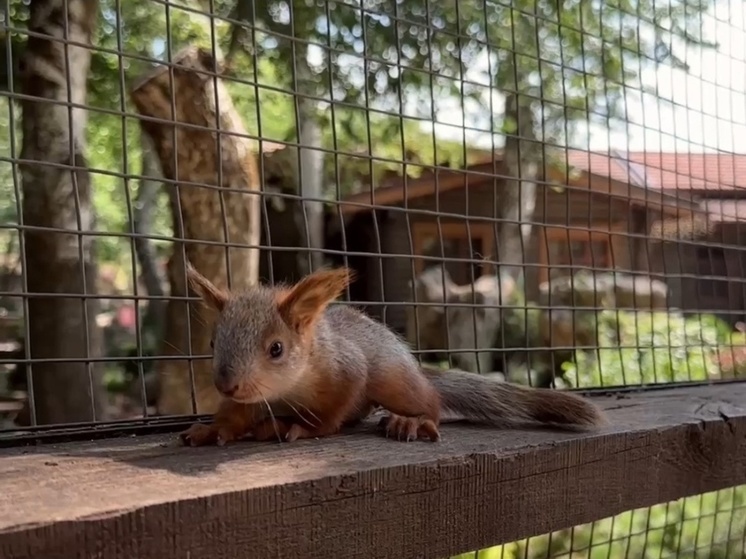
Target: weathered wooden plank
[(360, 496)]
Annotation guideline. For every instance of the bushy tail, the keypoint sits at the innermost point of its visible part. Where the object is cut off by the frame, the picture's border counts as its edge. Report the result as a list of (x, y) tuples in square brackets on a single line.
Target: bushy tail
[(484, 400)]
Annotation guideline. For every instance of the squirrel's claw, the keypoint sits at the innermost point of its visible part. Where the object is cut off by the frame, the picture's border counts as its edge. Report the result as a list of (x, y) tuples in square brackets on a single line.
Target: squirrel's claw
[(407, 429), (297, 431), (198, 434), (291, 435)]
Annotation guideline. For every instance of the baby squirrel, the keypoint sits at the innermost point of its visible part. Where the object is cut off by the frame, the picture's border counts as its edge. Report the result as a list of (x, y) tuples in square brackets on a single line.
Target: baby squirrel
[(292, 367)]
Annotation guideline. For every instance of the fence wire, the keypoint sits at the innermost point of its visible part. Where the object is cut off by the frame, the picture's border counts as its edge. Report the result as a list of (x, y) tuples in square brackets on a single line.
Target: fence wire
[(551, 193)]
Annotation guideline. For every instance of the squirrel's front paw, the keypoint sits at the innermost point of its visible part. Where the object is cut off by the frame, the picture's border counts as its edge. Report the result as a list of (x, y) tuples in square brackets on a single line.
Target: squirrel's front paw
[(272, 429), (200, 434), (408, 429), (282, 431)]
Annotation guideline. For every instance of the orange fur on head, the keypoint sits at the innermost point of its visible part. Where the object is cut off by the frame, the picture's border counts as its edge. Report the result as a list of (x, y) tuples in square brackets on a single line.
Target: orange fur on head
[(210, 294), (308, 299)]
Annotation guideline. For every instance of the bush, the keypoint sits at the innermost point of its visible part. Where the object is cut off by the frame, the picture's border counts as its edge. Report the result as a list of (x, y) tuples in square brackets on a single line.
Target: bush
[(639, 348)]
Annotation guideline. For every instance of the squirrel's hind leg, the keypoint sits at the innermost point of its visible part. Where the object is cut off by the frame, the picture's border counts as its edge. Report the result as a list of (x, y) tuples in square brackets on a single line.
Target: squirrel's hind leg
[(413, 402)]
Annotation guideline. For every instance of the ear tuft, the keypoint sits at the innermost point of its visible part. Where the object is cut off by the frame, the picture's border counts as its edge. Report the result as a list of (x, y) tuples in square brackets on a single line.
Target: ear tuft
[(308, 299), (210, 294)]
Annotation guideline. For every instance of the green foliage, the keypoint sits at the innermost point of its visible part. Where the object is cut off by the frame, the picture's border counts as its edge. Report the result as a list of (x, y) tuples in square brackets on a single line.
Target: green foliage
[(520, 322), (708, 526), (638, 348), (575, 58), (8, 187), (377, 143), (496, 552)]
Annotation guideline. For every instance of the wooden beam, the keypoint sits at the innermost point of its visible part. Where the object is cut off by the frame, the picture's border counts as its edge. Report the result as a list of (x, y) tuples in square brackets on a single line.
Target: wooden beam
[(360, 496)]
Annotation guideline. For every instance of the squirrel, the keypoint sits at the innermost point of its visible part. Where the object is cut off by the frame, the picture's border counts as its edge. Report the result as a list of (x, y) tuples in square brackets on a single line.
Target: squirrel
[(292, 366)]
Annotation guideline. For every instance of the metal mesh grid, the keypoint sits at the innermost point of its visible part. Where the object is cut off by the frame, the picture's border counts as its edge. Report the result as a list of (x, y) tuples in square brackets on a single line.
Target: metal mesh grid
[(708, 525), (578, 164)]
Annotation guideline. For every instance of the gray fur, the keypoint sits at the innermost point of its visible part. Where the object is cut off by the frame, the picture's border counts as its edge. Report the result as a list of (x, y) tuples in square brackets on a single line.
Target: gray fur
[(346, 342), (483, 400)]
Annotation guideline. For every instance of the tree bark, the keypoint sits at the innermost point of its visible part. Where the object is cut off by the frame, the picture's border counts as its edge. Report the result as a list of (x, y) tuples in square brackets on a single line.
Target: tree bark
[(60, 198), (517, 200), (198, 212), (311, 215), (147, 197)]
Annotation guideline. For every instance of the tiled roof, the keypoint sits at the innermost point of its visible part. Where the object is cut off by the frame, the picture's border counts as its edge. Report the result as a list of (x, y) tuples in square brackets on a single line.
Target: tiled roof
[(667, 171)]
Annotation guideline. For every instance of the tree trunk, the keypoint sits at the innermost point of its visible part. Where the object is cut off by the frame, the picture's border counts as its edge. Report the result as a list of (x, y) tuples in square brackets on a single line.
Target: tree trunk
[(198, 212), (54, 197), (147, 197), (517, 199), (311, 215)]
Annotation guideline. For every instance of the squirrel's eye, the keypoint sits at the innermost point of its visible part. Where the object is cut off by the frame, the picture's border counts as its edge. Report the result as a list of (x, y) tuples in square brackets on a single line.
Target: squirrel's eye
[(275, 350)]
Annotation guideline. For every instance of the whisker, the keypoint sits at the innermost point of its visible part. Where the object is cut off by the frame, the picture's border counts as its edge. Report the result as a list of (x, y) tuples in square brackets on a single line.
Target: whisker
[(199, 318), (271, 415), (316, 417), (165, 341), (300, 415)]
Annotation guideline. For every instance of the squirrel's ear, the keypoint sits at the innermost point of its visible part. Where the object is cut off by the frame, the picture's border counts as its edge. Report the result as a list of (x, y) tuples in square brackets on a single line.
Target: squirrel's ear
[(302, 305), (210, 294)]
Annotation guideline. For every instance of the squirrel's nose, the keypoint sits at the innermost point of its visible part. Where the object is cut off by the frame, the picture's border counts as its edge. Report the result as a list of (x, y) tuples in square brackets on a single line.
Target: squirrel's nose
[(225, 382), (226, 387)]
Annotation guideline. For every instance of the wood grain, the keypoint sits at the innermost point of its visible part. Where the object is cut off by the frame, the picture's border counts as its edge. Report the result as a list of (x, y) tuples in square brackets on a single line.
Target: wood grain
[(360, 496)]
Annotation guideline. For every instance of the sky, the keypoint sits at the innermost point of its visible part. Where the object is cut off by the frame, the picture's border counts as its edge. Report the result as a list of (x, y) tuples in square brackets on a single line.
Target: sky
[(700, 110)]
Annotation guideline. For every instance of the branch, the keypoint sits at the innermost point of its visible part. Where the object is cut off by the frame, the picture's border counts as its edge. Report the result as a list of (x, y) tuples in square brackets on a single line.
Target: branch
[(243, 12)]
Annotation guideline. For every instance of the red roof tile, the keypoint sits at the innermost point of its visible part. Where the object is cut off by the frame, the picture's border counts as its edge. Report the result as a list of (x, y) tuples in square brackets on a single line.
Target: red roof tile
[(668, 171)]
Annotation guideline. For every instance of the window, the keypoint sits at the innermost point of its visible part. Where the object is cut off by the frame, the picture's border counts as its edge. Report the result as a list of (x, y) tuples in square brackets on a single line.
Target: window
[(711, 262), (456, 237), (566, 250)]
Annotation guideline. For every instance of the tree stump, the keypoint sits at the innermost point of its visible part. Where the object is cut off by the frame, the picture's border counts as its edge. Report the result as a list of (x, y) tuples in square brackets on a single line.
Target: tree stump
[(201, 213)]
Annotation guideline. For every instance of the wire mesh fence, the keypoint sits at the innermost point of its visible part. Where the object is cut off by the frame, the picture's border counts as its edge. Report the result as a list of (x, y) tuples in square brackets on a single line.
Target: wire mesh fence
[(709, 525), (548, 193)]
